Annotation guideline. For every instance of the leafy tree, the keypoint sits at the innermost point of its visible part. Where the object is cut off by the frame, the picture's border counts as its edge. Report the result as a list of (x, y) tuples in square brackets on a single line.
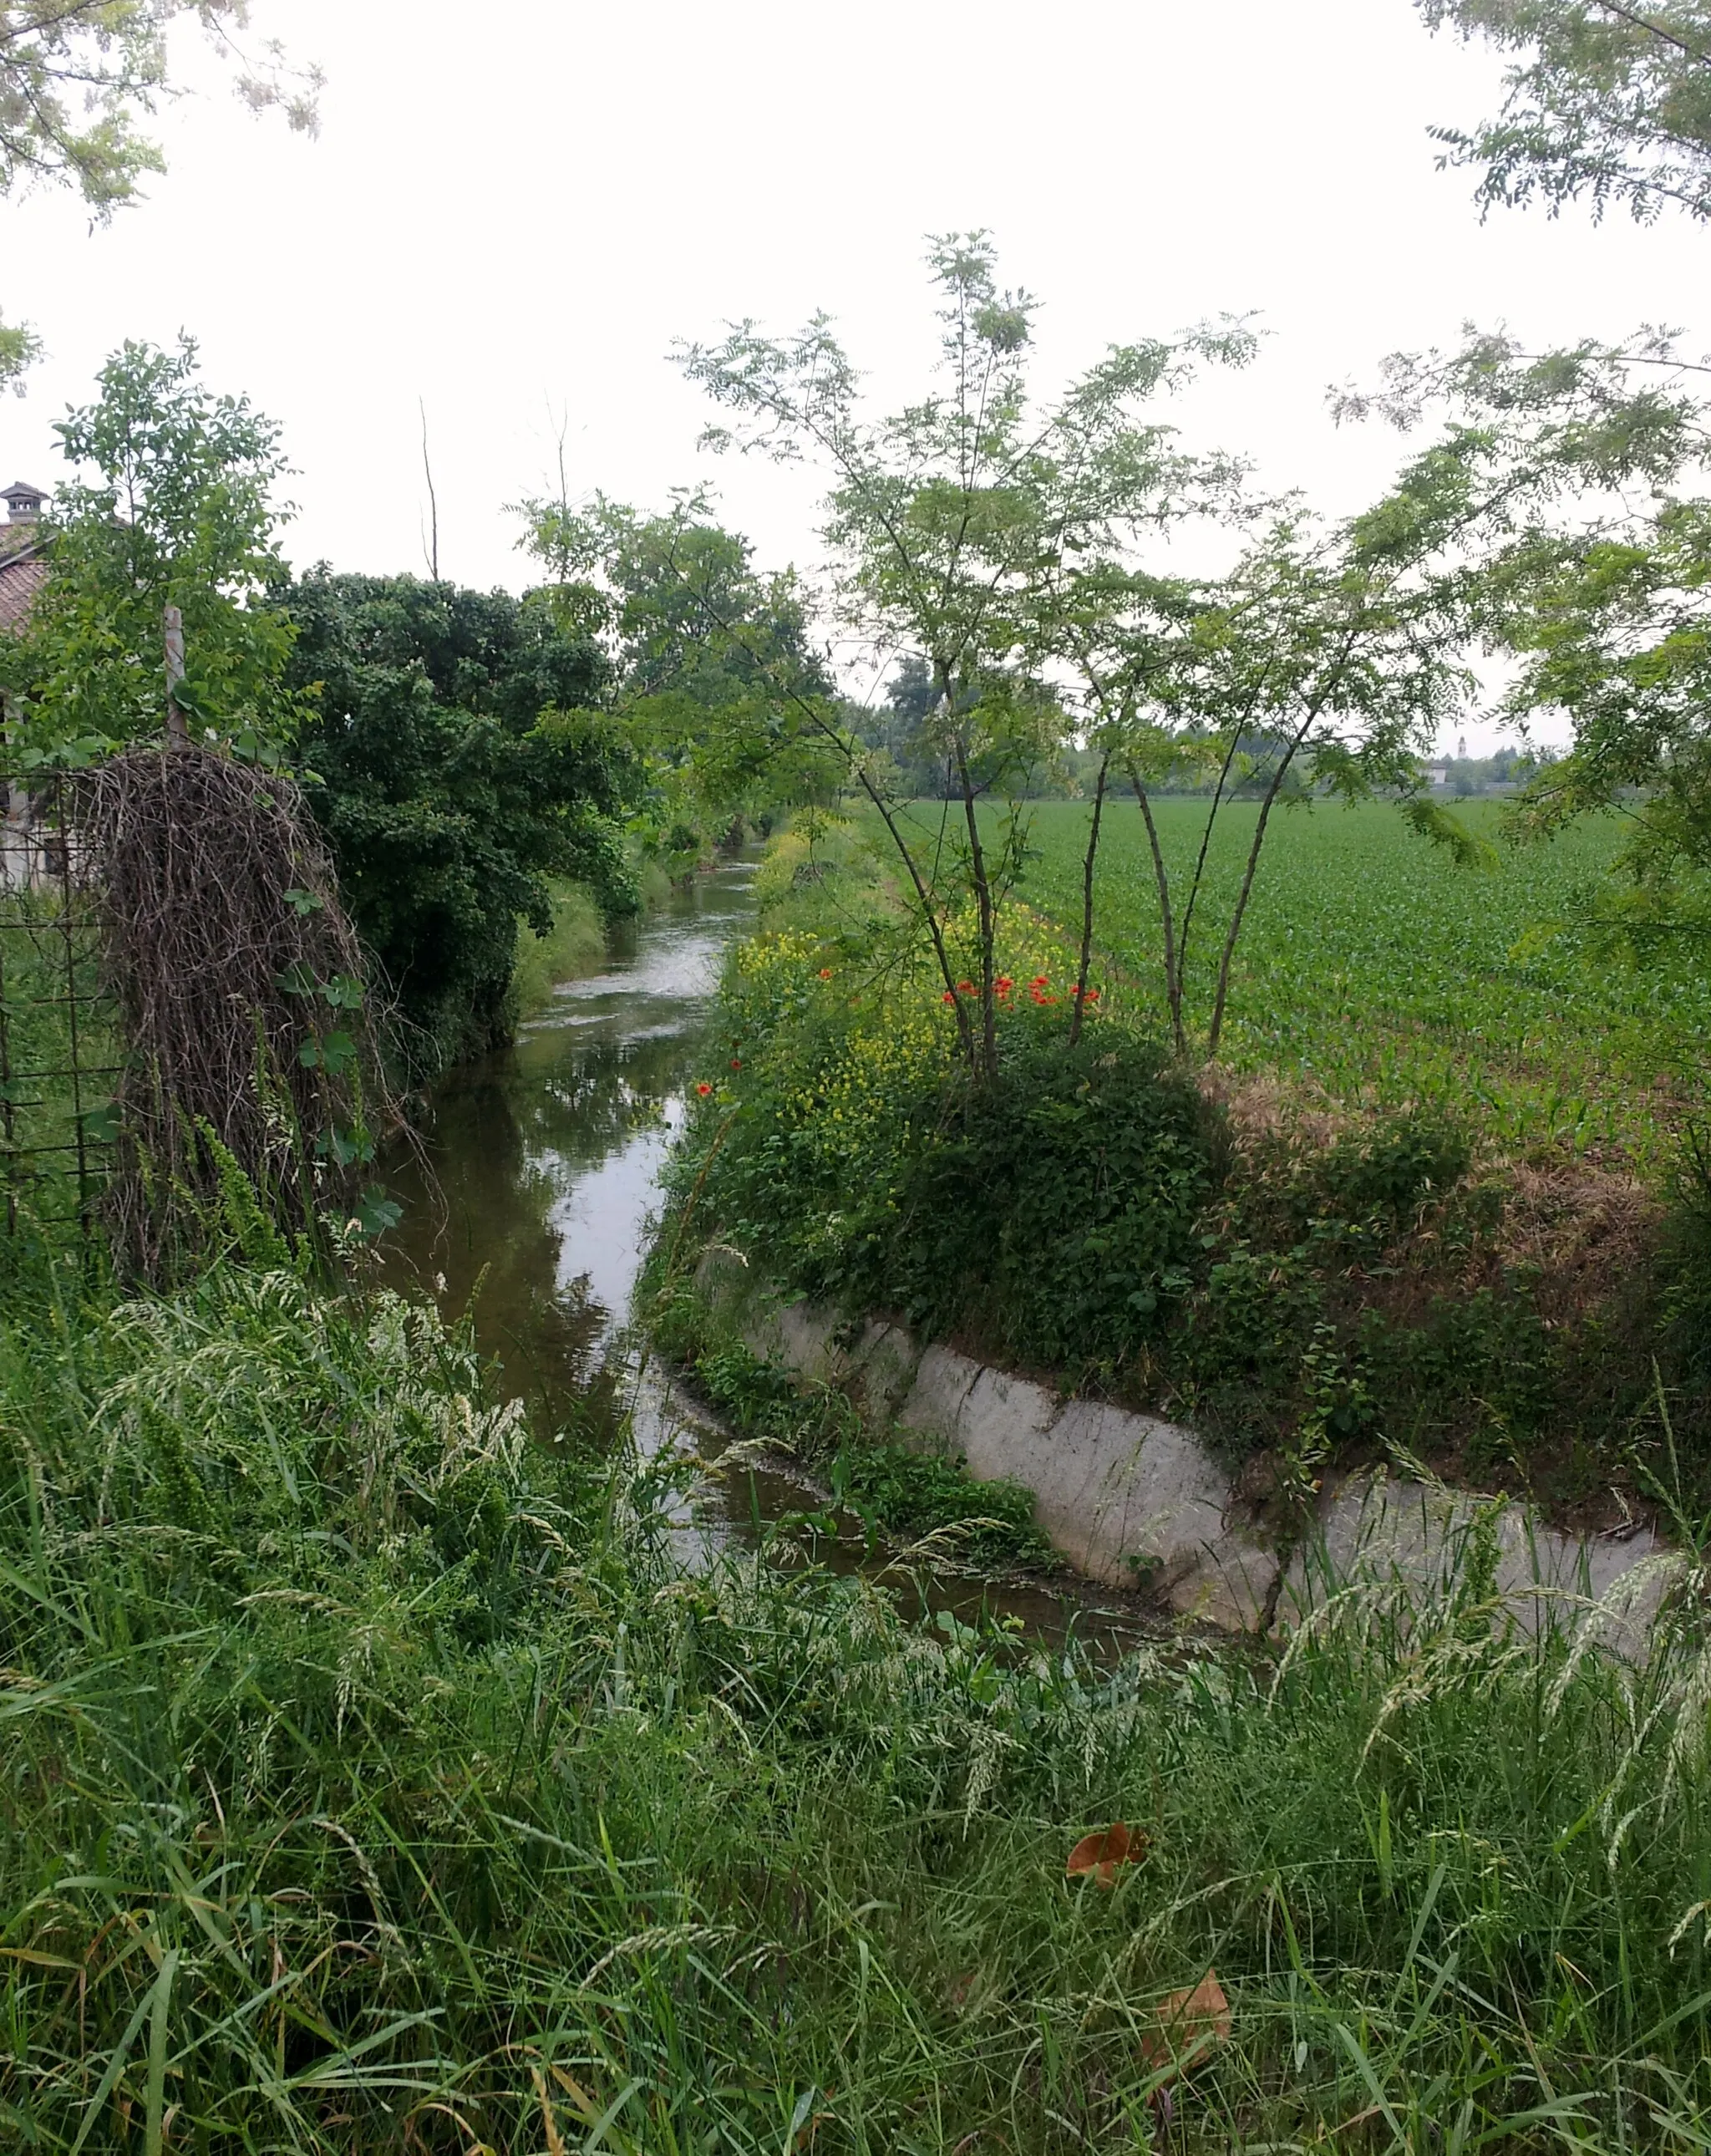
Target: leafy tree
[(1597, 585), (698, 642), (75, 75), (945, 521), (183, 512), (1606, 101), (457, 758), (1608, 617), (1616, 631)]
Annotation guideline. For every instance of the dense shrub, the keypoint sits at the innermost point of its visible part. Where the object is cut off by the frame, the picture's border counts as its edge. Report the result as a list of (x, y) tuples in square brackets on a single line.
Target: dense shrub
[(1049, 1216), (1053, 1213), (456, 764), (1406, 1160)]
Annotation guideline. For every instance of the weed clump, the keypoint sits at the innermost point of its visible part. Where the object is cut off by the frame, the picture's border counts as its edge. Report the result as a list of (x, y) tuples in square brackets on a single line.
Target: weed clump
[(892, 1489), (376, 1779), (1687, 1262)]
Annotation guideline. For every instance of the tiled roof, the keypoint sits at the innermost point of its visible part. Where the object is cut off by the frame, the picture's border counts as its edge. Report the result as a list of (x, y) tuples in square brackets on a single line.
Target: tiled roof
[(20, 535), (21, 578)]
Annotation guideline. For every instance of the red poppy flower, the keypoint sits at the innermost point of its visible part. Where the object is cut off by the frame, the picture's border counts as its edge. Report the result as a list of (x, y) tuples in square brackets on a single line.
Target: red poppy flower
[(704, 1089), (949, 997), (1041, 981), (1093, 995), (1004, 984), (965, 987), (825, 972), (736, 1063)]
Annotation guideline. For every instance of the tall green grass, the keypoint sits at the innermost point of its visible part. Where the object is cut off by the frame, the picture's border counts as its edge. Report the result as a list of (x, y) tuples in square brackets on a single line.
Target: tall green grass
[(574, 946), (375, 1780)]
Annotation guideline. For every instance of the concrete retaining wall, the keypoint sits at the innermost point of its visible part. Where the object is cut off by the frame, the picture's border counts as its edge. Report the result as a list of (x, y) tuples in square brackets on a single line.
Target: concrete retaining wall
[(1133, 1501)]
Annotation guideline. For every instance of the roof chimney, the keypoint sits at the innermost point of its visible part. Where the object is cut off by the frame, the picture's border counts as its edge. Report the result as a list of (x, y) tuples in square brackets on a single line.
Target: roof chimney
[(23, 502)]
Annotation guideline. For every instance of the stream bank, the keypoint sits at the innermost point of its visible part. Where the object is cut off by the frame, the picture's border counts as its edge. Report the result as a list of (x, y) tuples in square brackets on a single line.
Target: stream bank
[(530, 1208), (1132, 1501)]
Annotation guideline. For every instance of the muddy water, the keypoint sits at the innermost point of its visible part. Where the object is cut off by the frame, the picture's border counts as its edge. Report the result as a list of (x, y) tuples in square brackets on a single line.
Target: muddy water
[(541, 1175)]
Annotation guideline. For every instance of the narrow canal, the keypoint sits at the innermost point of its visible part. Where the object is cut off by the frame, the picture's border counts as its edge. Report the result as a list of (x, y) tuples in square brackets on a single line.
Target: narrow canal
[(531, 1204)]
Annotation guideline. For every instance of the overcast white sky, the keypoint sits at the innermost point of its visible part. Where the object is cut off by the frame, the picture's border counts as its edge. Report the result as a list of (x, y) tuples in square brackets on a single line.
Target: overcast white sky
[(511, 212)]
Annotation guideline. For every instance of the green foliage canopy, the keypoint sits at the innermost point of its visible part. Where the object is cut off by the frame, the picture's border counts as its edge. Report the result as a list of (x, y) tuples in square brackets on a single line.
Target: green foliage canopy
[(181, 510), (457, 758), (707, 657), (1605, 102), (75, 74)]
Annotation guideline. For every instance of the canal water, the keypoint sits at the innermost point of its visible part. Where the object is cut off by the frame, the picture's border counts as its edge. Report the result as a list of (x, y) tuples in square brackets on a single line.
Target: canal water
[(530, 1208)]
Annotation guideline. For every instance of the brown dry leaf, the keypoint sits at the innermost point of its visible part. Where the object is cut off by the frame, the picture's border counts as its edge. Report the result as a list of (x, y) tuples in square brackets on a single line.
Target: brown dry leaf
[(585, 2103), (1190, 2024), (1102, 1854)]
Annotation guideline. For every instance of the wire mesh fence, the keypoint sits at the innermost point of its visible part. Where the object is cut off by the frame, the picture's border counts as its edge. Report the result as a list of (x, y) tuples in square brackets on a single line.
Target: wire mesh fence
[(59, 1039)]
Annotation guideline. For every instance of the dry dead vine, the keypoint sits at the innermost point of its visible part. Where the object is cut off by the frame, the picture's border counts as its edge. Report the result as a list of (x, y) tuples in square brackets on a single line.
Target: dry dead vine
[(237, 980)]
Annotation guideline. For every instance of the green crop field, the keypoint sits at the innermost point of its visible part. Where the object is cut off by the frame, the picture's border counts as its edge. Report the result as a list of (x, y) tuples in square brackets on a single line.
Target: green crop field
[(1377, 970)]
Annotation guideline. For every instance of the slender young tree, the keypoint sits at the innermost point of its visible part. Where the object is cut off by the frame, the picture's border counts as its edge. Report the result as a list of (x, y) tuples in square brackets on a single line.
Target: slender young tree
[(1328, 658), (947, 522), (1597, 592), (1608, 619)]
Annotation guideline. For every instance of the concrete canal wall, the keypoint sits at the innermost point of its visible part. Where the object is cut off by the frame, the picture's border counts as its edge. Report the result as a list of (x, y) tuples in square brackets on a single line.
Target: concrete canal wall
[(1133, 1501)]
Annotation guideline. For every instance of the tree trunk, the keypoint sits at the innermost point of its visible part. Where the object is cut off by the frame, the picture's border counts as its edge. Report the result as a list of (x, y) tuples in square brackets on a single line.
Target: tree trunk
[(1173, 965), (1247, 892), (986, 1068), (1087, 901)]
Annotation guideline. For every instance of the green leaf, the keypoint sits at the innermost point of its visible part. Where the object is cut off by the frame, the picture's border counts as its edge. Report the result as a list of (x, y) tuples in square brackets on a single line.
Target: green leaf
[(333, 1053), (377, 1211)]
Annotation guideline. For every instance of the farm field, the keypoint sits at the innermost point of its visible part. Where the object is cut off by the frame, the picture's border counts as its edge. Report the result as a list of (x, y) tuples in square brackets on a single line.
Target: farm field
[(1374, 969)]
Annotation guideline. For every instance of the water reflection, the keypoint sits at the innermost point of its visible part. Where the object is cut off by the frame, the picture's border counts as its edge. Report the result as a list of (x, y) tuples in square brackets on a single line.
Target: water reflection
[(543, 1162)]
